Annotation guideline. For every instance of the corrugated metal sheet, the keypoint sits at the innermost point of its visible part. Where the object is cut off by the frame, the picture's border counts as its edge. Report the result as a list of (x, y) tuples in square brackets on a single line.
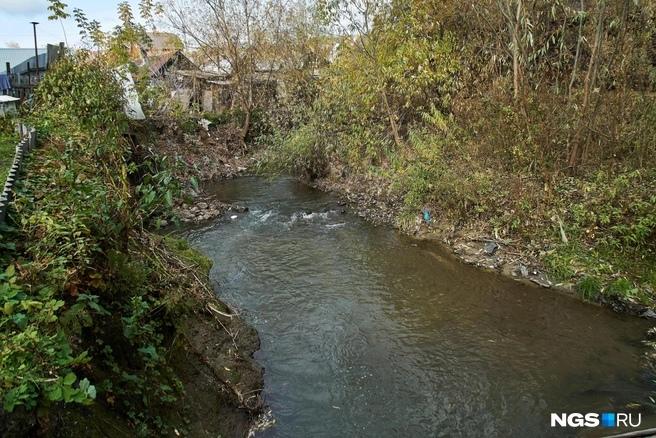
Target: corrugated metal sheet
[(22, 67), (17, 56)]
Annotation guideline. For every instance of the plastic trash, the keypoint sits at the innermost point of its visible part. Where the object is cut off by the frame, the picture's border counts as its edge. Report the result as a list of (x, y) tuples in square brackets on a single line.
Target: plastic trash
[(426, 215)]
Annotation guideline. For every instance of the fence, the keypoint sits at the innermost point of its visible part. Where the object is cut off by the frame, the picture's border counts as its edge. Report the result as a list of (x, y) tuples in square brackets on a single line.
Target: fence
[(25, 145)]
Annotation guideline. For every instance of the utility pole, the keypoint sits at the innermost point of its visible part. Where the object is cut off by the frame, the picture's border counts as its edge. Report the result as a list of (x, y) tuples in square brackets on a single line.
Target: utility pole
[(36, 51)]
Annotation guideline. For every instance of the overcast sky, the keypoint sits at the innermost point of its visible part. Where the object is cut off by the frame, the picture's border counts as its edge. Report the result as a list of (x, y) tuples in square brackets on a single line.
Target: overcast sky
[(15, 17)]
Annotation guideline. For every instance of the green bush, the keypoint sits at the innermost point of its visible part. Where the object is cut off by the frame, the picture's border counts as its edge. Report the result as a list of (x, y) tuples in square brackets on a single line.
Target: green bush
[(86, 312), (619, 207), (435, 173), (301, 153), (156, 189), (81, 92)]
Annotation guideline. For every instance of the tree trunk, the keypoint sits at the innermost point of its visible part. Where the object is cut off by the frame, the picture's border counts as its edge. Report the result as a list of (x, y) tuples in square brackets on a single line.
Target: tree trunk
[(591, 74), (393, 125), (245, 128), (588, 86), (578, 53), (517, 73), (247, 120)]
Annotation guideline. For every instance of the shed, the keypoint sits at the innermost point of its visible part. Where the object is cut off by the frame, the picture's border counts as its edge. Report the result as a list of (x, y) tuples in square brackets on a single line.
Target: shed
[(8, 105)]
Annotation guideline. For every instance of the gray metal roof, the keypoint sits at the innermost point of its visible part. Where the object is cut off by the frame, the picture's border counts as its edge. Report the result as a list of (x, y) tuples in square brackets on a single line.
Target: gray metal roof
[(17, 56), (22, 67)]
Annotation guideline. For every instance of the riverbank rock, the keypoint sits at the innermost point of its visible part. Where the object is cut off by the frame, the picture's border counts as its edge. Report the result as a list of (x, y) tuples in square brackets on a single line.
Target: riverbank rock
[(205, 210), (649, 314), (491, 248), (365, 196)]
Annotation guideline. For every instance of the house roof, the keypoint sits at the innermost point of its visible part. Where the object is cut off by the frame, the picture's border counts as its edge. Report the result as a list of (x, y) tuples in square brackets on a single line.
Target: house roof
[(161, 42), (158, 63), (17, 56)]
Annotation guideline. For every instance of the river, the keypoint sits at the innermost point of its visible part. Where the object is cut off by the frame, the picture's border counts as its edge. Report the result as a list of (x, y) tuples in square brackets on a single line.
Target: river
[(366, 332)]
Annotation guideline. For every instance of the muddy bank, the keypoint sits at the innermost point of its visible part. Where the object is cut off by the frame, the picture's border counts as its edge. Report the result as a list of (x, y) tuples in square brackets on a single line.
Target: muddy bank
[(221, 392), (371, 198), (209, 349), (213, 357), (221, 382), (211, 353)]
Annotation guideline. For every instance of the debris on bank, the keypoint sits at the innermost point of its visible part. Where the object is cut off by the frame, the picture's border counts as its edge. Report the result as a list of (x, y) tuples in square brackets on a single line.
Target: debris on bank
[(376, 202), (209, 155)]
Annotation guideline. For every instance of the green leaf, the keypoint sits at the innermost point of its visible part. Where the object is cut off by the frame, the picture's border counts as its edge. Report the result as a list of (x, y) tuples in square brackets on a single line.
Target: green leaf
[(149, 351), (20, 320), (69, 379), (55, 394), (84, 384), (68, 393), (194, 183)]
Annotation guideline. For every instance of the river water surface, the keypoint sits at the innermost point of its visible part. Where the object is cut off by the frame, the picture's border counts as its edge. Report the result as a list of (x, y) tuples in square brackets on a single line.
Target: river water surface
[(369, 333)]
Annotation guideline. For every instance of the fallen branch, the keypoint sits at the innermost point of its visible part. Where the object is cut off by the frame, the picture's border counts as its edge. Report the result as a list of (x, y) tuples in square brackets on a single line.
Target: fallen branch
[(215, 310)]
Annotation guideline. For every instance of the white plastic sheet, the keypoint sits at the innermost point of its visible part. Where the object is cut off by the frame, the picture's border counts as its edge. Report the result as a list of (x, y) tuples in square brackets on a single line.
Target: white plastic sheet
[(132, 105)]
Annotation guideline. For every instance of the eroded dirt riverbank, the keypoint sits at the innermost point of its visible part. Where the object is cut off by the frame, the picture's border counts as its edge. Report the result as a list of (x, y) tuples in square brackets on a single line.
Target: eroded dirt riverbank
[(221, 384)]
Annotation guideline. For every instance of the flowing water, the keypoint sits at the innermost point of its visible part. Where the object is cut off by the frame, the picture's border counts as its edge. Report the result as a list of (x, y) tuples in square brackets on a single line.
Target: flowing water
[(369, 333)]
